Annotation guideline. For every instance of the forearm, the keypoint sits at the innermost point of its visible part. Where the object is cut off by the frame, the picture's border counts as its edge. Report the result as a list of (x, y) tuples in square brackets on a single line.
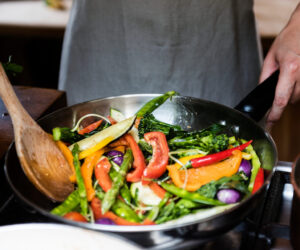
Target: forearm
[(295, 17)]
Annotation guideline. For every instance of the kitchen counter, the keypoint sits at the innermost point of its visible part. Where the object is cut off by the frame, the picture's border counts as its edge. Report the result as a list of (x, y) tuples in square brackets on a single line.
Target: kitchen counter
[(37, 101), (33, 14), (271, 15)]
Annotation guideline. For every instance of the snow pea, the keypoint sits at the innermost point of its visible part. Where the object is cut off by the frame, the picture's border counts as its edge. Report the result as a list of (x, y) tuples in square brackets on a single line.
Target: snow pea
[(125, 193), (124, 211), (68, 205)]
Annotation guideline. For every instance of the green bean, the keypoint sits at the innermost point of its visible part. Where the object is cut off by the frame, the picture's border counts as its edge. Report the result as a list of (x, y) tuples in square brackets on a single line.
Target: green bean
[(153, 104), (68, 205), (193, 196), (80, 183), (111, 195)]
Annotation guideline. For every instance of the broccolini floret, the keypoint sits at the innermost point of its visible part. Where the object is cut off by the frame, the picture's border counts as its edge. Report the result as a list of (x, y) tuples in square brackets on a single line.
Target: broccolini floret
[(149, 123), (66, 135), (210, 143)]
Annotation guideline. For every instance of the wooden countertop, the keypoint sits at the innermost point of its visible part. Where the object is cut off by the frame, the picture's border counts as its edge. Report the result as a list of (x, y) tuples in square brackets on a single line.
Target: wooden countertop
[(37, 101)]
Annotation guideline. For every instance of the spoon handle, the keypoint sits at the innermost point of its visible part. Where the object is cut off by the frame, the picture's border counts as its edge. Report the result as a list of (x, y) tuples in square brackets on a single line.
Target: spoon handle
[(11, 101)]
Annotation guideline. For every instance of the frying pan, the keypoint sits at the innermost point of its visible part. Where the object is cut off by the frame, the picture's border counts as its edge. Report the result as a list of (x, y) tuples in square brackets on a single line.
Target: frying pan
[(189, 113)]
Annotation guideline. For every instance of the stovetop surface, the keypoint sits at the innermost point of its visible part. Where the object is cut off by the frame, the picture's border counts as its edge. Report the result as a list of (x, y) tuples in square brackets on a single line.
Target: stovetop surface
[(270, 231)]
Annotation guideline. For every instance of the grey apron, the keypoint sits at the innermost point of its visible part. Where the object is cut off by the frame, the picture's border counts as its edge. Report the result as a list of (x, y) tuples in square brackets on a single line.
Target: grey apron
[(201, 48)]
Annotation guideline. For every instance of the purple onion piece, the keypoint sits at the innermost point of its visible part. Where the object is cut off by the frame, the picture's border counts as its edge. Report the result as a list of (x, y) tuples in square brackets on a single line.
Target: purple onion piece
[(228, 196), (115, 156), (105, 221), (246, 167)]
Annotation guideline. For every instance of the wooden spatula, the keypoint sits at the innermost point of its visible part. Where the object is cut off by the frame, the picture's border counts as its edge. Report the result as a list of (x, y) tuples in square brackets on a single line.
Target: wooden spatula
[(40, 158)]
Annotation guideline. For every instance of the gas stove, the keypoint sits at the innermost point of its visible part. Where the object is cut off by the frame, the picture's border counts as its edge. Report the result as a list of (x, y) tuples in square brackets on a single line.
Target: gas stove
[(267, 230)]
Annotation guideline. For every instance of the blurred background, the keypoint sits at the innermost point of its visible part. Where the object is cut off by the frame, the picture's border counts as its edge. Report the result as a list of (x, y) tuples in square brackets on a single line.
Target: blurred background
[(32, 33)]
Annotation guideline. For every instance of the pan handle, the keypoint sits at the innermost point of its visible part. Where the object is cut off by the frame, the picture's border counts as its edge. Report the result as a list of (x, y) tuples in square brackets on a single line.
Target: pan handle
[(259, 100)]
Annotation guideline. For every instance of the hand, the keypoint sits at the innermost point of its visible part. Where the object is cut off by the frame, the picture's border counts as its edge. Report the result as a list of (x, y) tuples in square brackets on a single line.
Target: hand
[(284, 54)]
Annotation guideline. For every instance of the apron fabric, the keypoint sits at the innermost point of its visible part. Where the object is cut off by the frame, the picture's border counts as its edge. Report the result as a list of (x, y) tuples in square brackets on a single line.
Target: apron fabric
[(199, 48)]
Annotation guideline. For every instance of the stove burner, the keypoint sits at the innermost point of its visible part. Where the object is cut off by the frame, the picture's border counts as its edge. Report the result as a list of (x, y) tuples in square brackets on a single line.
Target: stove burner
[(266, 228)]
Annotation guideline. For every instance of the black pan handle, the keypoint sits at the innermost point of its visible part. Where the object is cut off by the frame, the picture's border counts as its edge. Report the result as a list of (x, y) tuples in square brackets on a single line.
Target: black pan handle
[(259, 100)]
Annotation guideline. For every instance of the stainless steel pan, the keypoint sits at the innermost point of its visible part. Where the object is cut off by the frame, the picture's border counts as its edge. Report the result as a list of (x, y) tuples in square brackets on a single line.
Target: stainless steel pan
[(187, 112)]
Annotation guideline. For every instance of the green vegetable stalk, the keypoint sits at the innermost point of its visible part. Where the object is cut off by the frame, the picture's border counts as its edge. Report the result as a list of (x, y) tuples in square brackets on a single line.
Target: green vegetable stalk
[(80, 183), (153, 104), (111, 195), (193, 196)]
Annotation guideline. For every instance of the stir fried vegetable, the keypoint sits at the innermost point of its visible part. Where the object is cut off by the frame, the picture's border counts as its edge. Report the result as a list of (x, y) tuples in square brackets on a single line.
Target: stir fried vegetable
[(142, 171)]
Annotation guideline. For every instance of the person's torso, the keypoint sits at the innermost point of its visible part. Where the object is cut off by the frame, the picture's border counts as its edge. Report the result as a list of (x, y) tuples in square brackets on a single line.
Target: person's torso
[(204, 49)]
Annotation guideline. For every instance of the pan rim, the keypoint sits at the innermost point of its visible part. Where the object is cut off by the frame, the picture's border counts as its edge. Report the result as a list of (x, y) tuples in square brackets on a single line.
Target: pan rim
[(140, 229)]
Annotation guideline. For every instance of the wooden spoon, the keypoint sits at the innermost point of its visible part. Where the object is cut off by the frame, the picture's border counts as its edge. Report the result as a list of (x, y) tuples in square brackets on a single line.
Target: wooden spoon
[(40, 158)]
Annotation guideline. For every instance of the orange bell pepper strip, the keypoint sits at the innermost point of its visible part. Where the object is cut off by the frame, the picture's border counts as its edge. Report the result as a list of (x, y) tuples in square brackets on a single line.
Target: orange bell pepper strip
[(159, 161), (96, 207), (259, 180), (137, 122), (157, 189), (75, 216), (120, 149), (102, 174), (87, 170), (197, 177), (69, 157), (139, 164), (90, 127)]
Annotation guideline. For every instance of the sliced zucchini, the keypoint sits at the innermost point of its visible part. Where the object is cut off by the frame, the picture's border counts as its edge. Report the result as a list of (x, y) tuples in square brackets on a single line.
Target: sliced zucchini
[(119, 116), (107, 135)]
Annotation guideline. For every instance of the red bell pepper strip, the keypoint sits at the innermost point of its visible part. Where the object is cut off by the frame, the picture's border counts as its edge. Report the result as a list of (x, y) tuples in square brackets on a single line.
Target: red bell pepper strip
[(90, 127), (139, 164), (102, 174), (213, 158), (259, 180), (159, 161), (96, 207)]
